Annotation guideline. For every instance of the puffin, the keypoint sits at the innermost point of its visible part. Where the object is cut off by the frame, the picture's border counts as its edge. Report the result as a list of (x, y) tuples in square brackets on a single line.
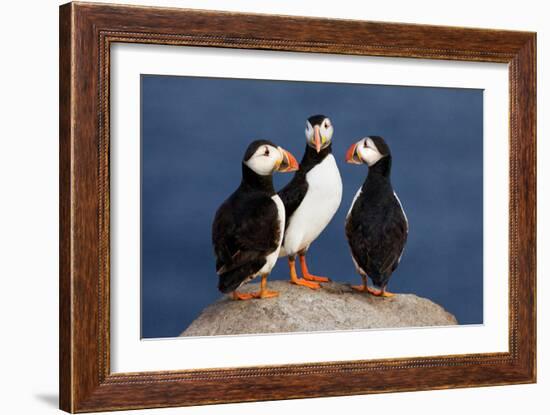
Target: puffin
[(311, 198), (248, 228), (376, 224)]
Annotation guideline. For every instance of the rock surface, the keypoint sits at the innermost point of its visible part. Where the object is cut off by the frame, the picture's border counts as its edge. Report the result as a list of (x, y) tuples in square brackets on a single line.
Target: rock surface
[(298, 309)]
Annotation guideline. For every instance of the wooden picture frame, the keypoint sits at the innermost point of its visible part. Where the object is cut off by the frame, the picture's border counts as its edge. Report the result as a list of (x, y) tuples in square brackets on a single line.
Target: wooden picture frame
[(86, 33)]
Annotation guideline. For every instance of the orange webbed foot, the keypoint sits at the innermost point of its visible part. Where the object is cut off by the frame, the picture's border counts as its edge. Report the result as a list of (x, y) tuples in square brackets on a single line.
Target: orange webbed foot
[(311, 277), (382, 293), (300, 281), (242, 296), (305, 283), (387, 294), (307, 275), (365, 288), (268, 294)]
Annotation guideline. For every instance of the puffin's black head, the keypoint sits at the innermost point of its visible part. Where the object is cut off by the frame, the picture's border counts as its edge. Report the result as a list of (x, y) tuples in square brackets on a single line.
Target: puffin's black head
[(263, 157), (368, 150), (319, 132)]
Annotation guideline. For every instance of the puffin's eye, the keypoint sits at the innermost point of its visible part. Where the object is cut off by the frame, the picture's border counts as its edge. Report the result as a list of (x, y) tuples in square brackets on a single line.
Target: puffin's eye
[(366, 144), (327, 124), (266, 152)]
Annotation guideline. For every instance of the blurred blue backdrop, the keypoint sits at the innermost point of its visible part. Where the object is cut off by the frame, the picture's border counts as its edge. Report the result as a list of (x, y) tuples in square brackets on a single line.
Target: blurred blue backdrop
[(195, 132)]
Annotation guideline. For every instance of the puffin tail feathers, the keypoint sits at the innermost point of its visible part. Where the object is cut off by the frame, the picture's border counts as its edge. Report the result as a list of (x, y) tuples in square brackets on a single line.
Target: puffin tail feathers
[(231, 280), (380, 280)]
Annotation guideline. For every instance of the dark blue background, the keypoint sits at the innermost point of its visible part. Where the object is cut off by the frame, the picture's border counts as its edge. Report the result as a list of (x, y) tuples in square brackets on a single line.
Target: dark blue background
[(195, 132)]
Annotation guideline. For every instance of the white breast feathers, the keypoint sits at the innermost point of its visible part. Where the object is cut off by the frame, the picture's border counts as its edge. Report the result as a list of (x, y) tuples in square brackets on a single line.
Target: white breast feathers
[(320, 203)]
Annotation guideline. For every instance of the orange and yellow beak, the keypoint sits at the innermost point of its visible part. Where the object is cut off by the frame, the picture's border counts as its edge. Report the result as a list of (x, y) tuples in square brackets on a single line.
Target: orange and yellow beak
[(287, 162), (352, 156), (317, 138)]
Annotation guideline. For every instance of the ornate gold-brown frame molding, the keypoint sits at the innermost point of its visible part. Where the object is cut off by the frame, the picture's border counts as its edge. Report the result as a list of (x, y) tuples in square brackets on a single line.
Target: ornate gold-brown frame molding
[(86, 33)]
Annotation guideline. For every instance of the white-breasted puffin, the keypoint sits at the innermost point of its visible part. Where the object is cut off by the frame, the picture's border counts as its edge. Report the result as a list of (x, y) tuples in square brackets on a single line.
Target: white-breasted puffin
[(376, 224), (248, 228), (311, 198)]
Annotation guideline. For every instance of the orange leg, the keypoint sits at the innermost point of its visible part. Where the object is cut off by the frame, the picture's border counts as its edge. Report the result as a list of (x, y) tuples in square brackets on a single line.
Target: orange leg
[(364, 287), (299, 281), (263, 293), (306, 274)]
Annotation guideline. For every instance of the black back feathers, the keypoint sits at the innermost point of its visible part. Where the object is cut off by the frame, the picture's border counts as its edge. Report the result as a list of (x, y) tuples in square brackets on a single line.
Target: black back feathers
[(246, 227), (381, 145), (376, 227)]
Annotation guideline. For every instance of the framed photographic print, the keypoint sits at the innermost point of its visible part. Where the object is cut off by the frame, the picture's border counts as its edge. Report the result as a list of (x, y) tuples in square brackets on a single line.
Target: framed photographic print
[(258, 207)]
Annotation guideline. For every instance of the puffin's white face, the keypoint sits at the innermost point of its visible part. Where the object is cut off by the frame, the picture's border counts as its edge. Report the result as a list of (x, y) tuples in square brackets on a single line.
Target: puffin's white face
[(268, 159), (364, 151), (264, 160), (368, 151), (319, 136)]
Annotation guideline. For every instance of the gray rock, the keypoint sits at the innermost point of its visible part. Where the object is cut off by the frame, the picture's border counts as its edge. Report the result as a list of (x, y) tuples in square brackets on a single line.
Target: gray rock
[(298, 309)]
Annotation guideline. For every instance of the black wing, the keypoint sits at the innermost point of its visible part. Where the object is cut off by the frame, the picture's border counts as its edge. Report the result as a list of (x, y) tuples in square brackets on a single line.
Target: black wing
[(293, 194), (245, 230), (295, 191)]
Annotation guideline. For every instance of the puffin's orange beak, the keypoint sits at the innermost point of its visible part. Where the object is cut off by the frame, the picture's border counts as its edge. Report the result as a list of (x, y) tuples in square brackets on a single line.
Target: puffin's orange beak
[(288, 162), (352, 156), (317, 139)]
